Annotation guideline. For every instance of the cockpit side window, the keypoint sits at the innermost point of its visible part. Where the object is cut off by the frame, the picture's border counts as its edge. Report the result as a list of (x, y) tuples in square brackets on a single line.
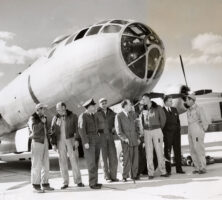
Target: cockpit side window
[(111, 29), (123, 22), (51, 53), (103, 22), (70, 39), (59, 40), (81, 34), (94, 30)]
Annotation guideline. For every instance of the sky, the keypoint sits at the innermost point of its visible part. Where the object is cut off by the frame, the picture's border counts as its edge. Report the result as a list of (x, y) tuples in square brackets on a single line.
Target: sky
[(191, 28)]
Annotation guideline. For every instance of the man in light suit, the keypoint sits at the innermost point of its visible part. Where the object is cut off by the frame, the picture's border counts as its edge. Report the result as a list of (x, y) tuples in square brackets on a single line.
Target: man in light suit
[(125, 124)]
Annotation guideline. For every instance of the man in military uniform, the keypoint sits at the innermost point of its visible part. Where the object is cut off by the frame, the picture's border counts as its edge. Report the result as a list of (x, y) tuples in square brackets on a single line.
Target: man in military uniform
[(105, 120), (39, 148), (64, 135), (197, 125), (91, 142), (171, 135)]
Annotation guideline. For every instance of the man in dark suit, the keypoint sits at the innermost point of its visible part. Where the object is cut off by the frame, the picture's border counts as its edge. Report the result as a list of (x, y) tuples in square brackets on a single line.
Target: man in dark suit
[(125, 124), (91, 142), (172, 137)]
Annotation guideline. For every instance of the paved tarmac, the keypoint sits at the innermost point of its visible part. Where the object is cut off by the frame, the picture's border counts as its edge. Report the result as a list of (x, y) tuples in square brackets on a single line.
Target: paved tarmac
[(15, 181)]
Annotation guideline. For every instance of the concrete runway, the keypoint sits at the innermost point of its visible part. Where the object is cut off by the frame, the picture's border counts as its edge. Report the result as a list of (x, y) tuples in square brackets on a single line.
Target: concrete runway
[(15, 182)]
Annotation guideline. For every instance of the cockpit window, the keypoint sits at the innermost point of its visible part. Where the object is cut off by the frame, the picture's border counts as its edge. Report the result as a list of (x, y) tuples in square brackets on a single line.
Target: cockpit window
[(81, 34), (142, 51), (103, 22), (134, 54), (111, 29), (159, 69), (138, 67), (51, 53), (59, 39), (70, 39), (153, 58), (137, 30), (132, 48), (123, 22), (94, 30)]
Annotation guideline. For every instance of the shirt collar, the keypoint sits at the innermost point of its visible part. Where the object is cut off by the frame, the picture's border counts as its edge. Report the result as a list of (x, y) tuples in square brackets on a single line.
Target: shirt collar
[(127, 114), (193, 107), (167, 108)]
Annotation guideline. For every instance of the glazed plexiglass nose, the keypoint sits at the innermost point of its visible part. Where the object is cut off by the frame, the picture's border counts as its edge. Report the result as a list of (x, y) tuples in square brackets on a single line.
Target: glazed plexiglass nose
[(142, 50)]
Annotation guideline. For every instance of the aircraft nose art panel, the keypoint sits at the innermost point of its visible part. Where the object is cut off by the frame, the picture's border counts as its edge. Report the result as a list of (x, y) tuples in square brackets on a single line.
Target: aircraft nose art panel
[(142, 51)]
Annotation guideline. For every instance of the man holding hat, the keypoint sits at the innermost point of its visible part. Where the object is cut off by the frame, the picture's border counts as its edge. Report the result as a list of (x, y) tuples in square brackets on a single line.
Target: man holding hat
[(105, 118), (197, 125), (91, 142), (64, 137), (39, 148)]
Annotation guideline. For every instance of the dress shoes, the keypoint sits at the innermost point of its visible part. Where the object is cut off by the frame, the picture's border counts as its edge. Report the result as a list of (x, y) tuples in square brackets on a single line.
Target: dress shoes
[(164, 175), (47, 187), (203, 171), (181, 172), (80, 185), (64, 187), (95, 187), (195, 171)]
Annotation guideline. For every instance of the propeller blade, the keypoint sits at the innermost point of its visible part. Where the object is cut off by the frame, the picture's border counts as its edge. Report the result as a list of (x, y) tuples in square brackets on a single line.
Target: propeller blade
[(162, 95), (181, 61), (202, 92)]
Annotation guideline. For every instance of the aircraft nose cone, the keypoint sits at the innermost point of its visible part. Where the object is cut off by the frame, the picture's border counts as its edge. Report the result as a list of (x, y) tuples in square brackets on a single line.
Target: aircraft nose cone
[(142, 50)]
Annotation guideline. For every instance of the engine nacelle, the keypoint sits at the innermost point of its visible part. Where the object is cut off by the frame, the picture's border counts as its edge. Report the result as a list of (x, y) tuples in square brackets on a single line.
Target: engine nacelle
[(22, 141), (15, 142)]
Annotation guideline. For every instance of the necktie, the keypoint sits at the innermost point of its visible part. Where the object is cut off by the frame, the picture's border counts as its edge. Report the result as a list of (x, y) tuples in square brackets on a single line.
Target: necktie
[(169, 110)]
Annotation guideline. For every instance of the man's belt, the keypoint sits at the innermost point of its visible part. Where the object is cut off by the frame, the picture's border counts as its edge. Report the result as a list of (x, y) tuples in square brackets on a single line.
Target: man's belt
[(152, 127)]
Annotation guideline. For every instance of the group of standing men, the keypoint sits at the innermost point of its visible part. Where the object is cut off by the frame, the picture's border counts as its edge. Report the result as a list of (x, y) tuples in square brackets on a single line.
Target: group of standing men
[(153, 125)]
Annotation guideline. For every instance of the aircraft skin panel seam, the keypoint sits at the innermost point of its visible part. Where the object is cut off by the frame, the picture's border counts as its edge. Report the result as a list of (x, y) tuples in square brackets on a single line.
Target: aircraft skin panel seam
[(34, 98)]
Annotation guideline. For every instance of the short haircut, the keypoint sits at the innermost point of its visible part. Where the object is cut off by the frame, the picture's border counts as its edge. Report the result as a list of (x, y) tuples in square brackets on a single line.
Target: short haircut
[(63, 104), (124, 103), (146, 95), (166, 98)]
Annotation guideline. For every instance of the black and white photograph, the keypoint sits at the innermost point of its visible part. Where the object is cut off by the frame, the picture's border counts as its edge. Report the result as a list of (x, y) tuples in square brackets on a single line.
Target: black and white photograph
[(105, 99)]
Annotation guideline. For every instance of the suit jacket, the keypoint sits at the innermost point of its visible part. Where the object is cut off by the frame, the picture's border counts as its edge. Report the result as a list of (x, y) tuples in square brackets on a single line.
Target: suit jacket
[(87, 126), (172, 120), (126, 127)]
